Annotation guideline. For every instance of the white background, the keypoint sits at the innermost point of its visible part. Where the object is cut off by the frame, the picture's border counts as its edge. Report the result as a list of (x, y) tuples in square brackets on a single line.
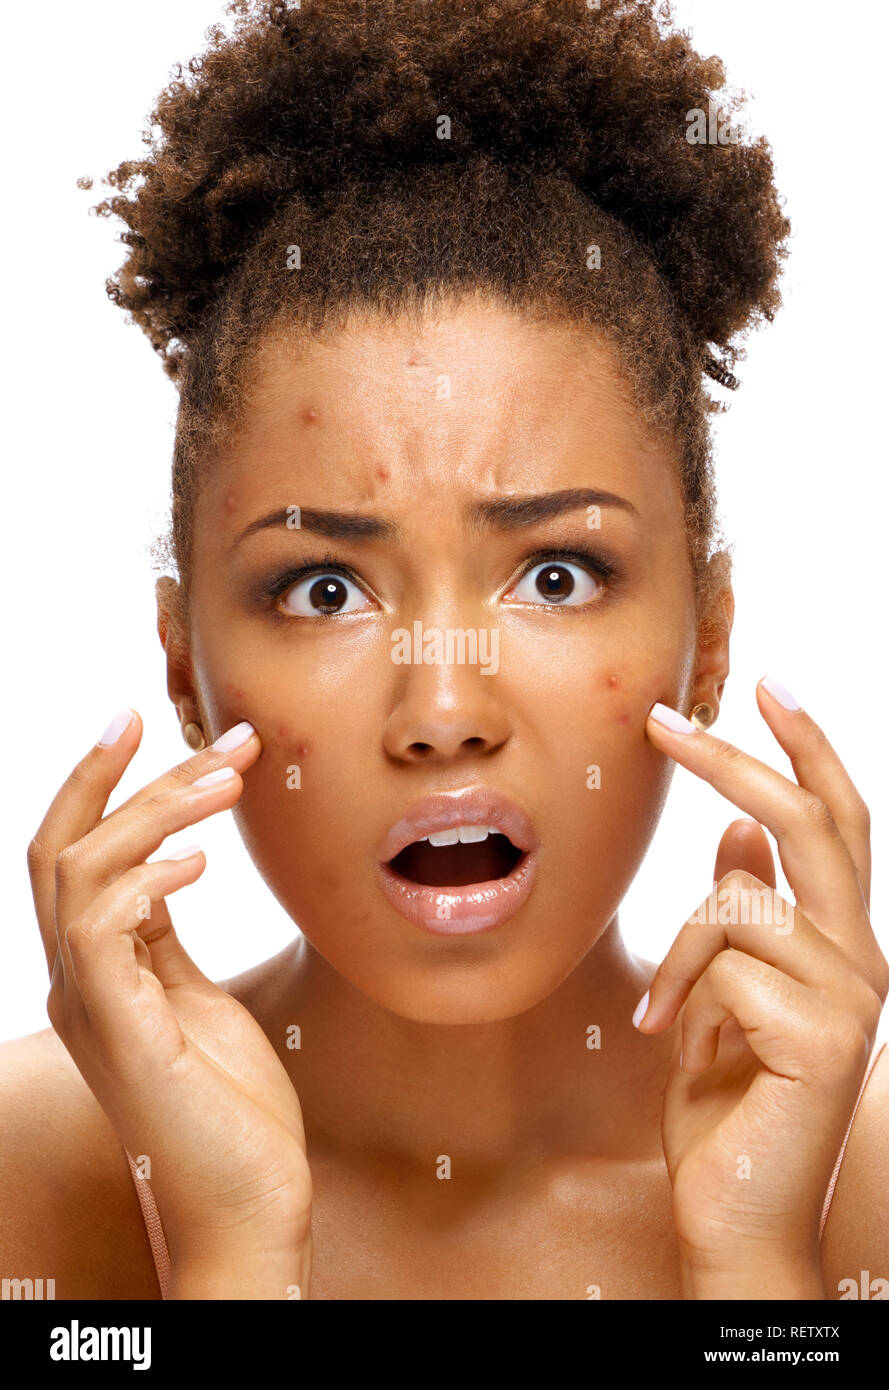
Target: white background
[(89, 420)]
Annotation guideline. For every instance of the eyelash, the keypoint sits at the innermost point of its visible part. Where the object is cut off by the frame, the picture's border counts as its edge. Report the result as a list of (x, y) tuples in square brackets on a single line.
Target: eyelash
[(277, 584)]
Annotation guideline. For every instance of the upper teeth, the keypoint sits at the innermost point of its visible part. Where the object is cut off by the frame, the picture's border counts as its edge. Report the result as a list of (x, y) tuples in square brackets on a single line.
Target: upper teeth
[(464, 834)]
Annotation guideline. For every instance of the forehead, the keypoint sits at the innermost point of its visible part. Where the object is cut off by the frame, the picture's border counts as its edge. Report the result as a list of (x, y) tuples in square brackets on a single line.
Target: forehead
[(473, 399)]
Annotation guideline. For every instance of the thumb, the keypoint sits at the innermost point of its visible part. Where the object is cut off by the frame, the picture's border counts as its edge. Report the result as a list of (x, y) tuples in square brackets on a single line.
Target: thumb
[(745, 845)]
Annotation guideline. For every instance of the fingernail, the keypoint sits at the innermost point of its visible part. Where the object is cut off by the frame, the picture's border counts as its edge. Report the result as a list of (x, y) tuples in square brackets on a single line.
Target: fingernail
[(672, 719), (779, 692), (185, 853), (116, 727), (641, 1009), (221, 774), (234, 737)]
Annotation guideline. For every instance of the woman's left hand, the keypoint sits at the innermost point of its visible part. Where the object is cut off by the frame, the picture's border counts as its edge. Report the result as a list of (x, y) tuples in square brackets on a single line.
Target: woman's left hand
[(780, 1006)]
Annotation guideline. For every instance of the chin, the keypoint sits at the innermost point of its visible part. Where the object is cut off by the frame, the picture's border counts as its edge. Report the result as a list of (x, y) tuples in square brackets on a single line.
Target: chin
[(461, 984)]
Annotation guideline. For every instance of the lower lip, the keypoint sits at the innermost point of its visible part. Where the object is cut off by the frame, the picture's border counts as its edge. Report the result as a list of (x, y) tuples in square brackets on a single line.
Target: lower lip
[(472, 907)]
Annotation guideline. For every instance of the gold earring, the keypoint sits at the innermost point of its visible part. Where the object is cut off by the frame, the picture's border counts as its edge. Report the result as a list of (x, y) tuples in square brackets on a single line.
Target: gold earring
[(194, 736), (702, 716)]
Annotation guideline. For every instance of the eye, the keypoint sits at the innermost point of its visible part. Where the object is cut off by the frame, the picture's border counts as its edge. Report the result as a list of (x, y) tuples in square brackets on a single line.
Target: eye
[(563, 583), (322, 595)]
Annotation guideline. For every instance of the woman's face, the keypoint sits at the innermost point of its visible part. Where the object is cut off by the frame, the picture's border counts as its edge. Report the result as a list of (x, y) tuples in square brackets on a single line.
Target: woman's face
[(541, 699)]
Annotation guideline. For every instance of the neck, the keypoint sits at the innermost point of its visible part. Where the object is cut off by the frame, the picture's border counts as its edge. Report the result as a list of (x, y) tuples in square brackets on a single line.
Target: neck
[(570, 1074)]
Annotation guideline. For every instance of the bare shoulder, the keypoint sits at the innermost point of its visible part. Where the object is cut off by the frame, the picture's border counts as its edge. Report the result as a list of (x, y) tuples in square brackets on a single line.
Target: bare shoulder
[(68, 1208), (855, 1247)]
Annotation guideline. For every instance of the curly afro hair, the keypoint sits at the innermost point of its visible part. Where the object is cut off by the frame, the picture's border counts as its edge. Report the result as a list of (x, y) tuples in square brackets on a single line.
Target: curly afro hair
[(338, 156)]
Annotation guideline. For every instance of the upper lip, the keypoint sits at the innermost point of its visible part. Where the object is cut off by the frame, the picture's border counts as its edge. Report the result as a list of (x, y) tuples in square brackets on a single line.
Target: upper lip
[(471, 806)]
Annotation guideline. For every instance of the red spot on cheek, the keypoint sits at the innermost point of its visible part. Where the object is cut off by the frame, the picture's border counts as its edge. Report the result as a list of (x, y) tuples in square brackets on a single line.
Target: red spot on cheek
[(231, 501), (285, 732), (233, 690), (613, 682), (309, 416), (383, 473)]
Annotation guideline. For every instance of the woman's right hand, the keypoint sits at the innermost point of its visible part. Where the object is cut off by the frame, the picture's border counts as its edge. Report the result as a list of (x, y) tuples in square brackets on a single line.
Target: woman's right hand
[(183, 1071)]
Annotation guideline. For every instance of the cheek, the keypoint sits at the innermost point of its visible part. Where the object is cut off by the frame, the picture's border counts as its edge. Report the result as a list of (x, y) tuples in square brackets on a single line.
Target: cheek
[(619, 712), (625, 698), (283, 740), (286, 735)]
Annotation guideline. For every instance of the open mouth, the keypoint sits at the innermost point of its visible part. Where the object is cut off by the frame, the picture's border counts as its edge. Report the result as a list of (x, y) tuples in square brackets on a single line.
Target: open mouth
[(455, 864)]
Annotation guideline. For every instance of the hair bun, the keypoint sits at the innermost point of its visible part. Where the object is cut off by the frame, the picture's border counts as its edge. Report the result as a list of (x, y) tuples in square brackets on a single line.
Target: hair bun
[(297, 103)]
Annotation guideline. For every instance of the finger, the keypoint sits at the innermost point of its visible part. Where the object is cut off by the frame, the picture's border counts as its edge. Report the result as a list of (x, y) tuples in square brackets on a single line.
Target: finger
[(741, 913), (791, 1029), (108, 988), (76, 808), (238, 747), (816, 861), (745, 845), (167, 957), (117, 845), (818, 768)]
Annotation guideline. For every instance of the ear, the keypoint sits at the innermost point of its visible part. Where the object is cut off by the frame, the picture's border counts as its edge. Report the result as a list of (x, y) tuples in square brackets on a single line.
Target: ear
[(714, 633), (171, 630)]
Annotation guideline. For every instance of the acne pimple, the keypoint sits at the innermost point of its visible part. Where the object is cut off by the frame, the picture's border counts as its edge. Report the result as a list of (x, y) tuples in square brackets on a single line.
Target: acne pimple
[(613, 682), (231, 501), (309, 416), (233, 690)]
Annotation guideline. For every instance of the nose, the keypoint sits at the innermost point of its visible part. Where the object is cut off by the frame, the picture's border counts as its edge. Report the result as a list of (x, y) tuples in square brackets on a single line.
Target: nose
[(445, 712)]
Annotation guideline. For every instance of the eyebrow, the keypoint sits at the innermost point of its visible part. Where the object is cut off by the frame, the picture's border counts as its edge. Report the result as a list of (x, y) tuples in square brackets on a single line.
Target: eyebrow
[(499, 513)]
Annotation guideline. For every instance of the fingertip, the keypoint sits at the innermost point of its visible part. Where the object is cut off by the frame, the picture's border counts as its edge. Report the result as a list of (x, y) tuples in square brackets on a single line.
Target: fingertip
[(117, 727), (778, 692), (665, 717), (640, 1009)]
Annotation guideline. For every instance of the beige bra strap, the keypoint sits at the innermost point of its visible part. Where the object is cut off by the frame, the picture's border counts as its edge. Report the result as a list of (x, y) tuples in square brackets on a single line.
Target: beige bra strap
[(839, 1163), (154, 1227)]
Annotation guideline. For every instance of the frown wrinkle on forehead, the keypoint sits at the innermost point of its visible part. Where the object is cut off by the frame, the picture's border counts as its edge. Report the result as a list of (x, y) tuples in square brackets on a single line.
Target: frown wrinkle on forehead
[(485, 402)]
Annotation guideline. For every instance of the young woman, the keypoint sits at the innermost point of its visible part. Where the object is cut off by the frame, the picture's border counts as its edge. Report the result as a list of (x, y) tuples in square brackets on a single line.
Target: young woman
[(442, 289)]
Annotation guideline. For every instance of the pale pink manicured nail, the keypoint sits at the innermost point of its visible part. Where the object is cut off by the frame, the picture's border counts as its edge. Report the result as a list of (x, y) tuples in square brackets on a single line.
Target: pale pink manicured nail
[(672, 719), (185, 853), (233, 737), (780, 692), (116, 727), (221, 774), (641, 1009)]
